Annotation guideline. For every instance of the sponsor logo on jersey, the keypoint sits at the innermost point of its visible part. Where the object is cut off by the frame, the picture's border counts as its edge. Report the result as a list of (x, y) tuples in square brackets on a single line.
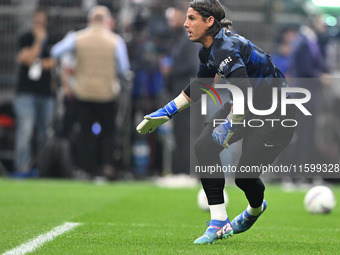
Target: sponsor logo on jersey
[(225, 62)]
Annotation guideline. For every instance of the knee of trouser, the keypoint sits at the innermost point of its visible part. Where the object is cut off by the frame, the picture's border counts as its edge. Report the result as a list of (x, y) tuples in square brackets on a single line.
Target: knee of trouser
[(199, 146), (202, 145)]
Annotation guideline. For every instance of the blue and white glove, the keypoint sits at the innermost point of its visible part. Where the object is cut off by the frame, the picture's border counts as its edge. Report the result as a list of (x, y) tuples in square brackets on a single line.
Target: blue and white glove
[(222, 133), (225, 131), (152, 121)]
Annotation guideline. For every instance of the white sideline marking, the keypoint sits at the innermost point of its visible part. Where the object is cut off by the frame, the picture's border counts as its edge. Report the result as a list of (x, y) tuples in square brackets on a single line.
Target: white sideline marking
[(40, 240)]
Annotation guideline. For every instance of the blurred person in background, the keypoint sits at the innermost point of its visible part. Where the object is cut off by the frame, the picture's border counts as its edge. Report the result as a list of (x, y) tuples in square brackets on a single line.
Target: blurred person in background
[(178, 74), (151, 39), (283, 53), (101, 58), (35, 99), (308, 65)]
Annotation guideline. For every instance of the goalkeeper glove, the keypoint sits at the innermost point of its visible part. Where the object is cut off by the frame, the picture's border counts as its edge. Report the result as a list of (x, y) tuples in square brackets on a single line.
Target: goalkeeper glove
[(152, 121), (225, 131)]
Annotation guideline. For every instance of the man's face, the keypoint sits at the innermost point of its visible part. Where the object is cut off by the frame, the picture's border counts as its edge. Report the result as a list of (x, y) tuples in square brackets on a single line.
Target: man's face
[(196, 26)]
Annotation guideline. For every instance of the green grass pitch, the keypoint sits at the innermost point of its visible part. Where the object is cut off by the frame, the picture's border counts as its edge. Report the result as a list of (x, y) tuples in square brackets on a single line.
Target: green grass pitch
[(140, 218)]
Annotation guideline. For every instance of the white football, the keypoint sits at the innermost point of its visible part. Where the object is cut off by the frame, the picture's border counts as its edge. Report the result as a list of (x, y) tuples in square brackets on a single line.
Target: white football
[(319, 199), (202, 200)]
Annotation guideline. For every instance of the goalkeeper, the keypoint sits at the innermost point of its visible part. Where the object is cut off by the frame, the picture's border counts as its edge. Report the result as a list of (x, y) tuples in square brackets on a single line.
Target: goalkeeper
[(235, 59)]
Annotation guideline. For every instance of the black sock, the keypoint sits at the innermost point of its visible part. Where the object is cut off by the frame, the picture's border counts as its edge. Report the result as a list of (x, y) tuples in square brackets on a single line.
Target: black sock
[(214, 190), (254, 190)]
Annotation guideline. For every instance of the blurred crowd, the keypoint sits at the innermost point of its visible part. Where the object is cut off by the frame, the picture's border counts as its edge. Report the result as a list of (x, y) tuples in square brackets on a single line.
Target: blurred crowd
[(61, 130)]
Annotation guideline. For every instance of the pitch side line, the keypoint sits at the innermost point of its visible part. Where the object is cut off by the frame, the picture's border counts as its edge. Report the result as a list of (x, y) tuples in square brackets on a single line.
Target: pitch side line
[(42, 239)]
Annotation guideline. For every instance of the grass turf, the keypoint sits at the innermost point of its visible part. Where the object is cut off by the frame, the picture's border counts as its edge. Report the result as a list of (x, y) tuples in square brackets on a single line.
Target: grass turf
[(139, 218)]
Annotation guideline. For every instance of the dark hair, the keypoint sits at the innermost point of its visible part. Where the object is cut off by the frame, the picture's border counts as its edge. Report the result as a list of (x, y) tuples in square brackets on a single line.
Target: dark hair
[(207, 8), (41, 10)]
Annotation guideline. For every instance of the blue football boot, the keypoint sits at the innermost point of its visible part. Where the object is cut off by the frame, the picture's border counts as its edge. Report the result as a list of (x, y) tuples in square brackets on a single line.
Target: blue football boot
[(217, 229), (244, 221)]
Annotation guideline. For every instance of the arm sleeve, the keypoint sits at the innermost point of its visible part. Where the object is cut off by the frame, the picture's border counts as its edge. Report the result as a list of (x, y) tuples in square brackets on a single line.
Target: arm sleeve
[(236, 75), (227, 59), (204, 76), (239, 78), (230, 64), (65, 45), (122, 58)]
